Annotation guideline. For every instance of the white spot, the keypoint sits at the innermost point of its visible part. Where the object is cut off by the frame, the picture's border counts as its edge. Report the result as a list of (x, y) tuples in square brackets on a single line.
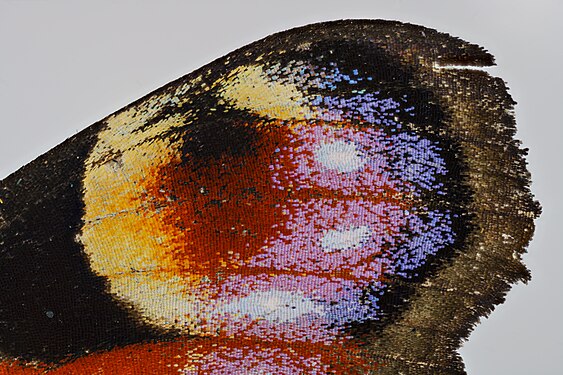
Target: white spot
[(274, 305), (340, 155), (334, 240), (438, 66)]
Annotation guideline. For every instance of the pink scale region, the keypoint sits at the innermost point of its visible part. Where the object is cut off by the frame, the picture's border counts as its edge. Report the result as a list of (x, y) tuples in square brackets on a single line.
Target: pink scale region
[(308, 224), (289, 307), (298, 166), (371, 230), (305, 231)]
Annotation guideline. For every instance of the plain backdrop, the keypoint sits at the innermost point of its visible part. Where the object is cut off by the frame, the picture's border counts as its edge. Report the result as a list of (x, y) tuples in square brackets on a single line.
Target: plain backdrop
[(67, 64)]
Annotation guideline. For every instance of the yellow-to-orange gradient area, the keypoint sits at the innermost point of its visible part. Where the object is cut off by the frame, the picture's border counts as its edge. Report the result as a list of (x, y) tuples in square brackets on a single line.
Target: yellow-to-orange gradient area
[(122, 231)]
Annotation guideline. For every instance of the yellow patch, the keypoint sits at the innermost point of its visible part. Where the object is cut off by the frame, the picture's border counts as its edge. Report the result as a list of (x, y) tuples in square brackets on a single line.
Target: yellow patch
[(122, 234), (249, 88)]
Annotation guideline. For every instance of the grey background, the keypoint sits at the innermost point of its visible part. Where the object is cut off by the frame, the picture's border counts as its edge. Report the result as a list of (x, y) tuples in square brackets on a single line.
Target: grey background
[(67, 64)]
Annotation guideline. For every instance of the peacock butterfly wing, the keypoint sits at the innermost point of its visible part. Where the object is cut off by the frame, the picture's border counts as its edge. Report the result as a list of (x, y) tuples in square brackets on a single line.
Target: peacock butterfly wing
[(343, 197)]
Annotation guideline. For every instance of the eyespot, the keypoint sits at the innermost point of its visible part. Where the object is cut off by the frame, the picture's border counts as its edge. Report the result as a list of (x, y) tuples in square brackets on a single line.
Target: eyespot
[(306, 204)]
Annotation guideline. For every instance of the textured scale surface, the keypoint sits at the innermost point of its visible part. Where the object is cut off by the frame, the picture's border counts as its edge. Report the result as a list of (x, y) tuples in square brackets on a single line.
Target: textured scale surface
[(341, 198)]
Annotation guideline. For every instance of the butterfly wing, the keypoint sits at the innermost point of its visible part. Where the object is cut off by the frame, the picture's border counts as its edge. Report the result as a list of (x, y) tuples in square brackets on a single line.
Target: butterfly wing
[(342, 197)]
